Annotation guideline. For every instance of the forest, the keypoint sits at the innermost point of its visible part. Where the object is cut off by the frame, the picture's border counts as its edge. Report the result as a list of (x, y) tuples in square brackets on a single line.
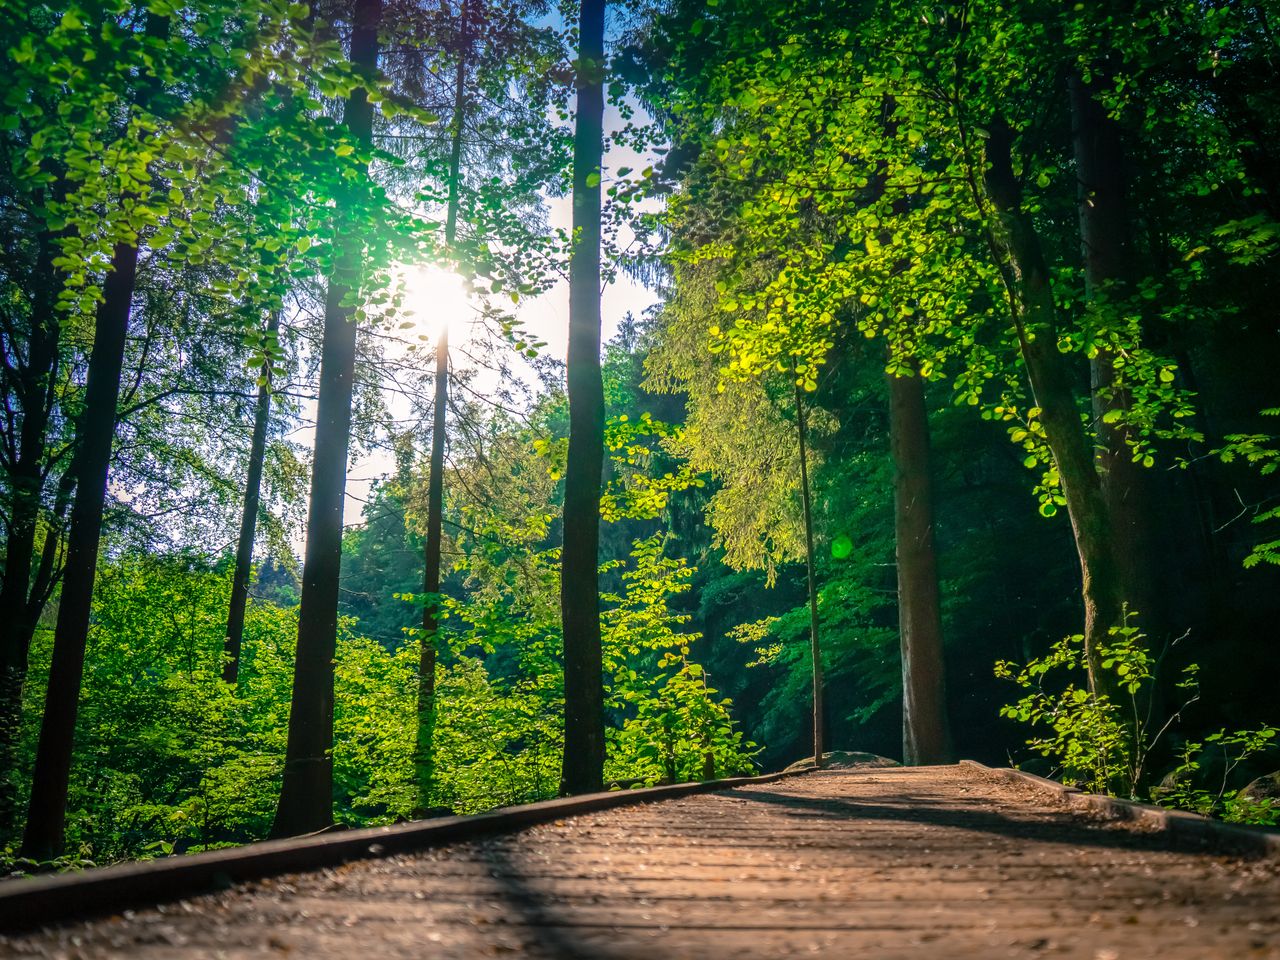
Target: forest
[(415, 408)]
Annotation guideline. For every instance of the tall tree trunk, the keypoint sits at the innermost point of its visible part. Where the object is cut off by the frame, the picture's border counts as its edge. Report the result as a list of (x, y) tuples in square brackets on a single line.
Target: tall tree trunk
[(1106, 247), (1034, 314), (43, 838), (95, 431), (815, 648), (583, 767), (248, 521), (35, 391), (306, 795), (22, 630), (926, 735), (424, 749), (424, 755)]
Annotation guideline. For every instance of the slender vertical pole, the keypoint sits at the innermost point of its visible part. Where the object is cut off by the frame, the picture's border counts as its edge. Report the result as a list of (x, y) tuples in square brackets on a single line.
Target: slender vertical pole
[(814, 646), (248, 521), (424, 749)]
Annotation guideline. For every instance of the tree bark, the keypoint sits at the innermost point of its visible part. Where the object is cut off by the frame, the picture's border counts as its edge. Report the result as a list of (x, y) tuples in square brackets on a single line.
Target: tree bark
[(815, 647), (22, 631), (424, 754), (248, 522), (306, 795), (46, 813), (583, 766), (1106, 249), (19, 597), (1034, 315), (926, 734)]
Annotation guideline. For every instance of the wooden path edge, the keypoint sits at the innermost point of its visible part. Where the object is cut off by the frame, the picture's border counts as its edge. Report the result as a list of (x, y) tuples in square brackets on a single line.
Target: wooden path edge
[(31, 902), (1179, 825)]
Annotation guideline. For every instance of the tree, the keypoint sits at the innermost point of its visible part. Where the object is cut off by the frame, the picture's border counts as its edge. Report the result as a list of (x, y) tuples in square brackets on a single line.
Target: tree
[(306, 794), (941, 137), (249, 518), (1106, 247), (30, 379), (579, 585), (424, 759), (926, 735), (815, 649), (95, 431), (1035, 317), (137, 158)]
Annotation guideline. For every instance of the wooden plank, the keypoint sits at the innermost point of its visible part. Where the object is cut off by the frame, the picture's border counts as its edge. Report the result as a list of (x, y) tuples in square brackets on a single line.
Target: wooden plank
[(931, 862), (26, 902)]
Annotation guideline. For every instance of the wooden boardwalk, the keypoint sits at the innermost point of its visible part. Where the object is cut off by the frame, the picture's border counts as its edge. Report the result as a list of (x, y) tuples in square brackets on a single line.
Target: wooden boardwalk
[(937, 862)]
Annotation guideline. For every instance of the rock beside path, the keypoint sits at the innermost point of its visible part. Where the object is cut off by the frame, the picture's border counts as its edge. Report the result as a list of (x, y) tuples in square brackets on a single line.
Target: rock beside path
[(844, 760), (1264, 788)]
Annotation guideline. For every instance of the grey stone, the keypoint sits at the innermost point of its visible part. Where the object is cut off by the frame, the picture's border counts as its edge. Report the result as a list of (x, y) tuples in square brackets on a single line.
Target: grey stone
[(844, 760)]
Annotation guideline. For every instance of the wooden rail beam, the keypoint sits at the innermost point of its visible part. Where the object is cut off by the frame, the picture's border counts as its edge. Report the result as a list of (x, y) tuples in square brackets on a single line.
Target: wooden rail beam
[(26, 903), (1180, 825)]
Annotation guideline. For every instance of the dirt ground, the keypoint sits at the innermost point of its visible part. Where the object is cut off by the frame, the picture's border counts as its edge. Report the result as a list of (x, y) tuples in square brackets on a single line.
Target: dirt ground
[(936, 862)]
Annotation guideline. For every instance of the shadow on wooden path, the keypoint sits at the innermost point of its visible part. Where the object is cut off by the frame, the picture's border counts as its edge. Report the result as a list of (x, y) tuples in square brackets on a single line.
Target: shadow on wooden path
[(935, 862)]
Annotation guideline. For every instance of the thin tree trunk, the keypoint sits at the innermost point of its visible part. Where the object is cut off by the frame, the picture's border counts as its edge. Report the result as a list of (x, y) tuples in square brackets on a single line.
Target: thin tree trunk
[(1106, 248), (815, 648), (22, 631), (583, 766), (306, 795), (43, 839), (1034, 314), (35, 395), (926, 735), (95, 431), (424, 756), (49, 570), (248, 522)]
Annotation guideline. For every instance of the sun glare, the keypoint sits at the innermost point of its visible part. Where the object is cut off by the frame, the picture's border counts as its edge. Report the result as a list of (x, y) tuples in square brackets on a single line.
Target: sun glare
[(433, 299)]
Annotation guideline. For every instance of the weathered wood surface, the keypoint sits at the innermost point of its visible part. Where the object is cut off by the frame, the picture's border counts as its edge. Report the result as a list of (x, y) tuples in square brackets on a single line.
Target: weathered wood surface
[(917, 862)]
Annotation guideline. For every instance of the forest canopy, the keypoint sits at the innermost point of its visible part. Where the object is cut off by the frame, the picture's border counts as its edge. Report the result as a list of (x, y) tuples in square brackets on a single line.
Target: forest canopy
[(415, 408)]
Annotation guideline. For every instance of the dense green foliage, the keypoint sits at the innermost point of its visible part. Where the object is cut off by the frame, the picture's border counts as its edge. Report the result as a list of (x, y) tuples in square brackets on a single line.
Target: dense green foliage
[(830, 197), (1103, 745)]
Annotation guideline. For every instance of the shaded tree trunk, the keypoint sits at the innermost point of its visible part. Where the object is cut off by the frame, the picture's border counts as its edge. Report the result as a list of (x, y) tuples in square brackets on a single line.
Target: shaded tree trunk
[(1034, 315), (21, 600), (926, 735), (815, 648), (43, 838), (248, 522), (46, 812), (424, 754), (22, 630), (583, 766), (1106, 248), (306, 794)]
